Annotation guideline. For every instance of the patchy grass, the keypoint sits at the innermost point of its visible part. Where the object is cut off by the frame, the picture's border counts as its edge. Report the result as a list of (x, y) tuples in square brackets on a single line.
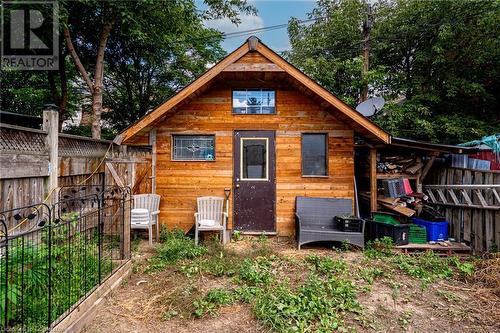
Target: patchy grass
[(278, 289)]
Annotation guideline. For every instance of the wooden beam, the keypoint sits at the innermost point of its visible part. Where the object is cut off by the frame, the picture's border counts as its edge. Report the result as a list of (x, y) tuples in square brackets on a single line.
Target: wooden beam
[(373, 180), (152, 143), (427, 167), (114, 174), (245, 67)]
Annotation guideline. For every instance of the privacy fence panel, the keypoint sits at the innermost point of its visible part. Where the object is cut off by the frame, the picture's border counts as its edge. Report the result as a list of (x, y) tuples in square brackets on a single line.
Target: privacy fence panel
[(25, 165), (62, 253), (478, 225)]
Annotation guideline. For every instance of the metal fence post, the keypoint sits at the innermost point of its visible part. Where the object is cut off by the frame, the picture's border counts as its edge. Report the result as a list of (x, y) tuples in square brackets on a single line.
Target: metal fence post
[(99, 231), (5, 232), (49, 240)]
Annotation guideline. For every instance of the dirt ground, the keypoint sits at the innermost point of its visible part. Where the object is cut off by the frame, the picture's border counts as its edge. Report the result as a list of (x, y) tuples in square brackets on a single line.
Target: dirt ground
[(445, 306)]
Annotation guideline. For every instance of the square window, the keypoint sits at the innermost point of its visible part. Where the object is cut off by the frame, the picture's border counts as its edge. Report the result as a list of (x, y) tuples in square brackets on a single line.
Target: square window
[(254, 101), (314, 154), (193, 147)]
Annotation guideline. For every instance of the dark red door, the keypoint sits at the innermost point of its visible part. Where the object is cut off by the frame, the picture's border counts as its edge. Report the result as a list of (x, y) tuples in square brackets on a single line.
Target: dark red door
[(254, 181)]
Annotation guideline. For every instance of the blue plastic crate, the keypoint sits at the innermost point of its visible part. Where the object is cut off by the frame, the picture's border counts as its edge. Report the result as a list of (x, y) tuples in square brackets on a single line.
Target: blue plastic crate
[(436, 231)]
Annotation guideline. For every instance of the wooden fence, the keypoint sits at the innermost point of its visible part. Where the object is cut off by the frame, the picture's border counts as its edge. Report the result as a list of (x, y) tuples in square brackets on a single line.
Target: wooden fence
[(476, 225), (33, 162)]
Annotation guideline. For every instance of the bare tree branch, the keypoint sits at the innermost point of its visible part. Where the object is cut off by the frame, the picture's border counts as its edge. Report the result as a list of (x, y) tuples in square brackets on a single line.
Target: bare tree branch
[(76, 60)]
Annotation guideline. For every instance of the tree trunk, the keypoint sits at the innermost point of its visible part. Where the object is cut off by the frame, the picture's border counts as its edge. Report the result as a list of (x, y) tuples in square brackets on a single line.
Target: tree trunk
[(98, 78), (96, 112)]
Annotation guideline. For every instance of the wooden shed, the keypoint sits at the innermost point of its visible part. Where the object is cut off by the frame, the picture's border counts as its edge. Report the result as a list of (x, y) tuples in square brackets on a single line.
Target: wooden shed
[(258, 128)]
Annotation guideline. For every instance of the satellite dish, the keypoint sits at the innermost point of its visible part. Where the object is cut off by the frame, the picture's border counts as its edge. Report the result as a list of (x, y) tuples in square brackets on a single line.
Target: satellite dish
[(371, 106)]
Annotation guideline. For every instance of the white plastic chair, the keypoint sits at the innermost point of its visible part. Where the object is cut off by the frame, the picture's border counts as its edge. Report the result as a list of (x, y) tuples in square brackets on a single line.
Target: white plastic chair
[(144, 215), (210, 216)]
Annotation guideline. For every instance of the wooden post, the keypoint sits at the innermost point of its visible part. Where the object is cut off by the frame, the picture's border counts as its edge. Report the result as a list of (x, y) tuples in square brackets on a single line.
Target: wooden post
[(126, 226), (51, 126), (152, 142), (373, 179)]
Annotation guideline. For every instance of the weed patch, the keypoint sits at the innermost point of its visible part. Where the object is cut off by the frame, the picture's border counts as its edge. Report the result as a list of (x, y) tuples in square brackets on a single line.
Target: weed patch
[(176, 246), (327, 265), (317, 305)]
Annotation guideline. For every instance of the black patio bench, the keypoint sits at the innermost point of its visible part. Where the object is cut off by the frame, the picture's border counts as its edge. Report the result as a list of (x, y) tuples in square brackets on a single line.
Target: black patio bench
[(315, 221)]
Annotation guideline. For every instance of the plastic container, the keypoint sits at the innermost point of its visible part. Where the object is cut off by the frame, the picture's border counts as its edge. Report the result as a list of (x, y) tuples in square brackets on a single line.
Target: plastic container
[(399, 233), (386, 218), (417, 234), (348, 223), (436, 231)]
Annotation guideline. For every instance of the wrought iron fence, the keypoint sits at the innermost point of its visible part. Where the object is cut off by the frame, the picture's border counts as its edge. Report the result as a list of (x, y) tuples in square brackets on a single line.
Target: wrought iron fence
[(69, 249)]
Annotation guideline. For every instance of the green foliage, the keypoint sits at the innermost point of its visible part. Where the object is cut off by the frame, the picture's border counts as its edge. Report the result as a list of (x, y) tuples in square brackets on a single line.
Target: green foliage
[(236, 235), (404, 319), (85, 130), (74, 272), (24, 92), (176, 246), (427, 267), (315, 305), (214, 299), (256, 271), (379, 248), (332, 42), (434, 61), (370, 274), (327, 265)]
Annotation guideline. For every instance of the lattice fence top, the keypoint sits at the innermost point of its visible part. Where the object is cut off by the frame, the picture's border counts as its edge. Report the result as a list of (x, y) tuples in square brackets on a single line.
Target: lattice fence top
[(15, 139), (78, 147), (22, 140)]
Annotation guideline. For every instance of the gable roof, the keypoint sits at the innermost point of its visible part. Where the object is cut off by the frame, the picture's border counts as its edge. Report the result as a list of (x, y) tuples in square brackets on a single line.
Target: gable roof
[(253, 44)]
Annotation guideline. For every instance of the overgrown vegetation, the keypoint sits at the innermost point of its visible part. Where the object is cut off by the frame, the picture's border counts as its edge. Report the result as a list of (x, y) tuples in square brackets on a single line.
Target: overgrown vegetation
[(314, 293), (64, 266), (427, 267)]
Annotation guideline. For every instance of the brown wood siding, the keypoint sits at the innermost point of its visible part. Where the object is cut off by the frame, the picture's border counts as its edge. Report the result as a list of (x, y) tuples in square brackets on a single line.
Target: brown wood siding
[(253, 58), (179, 183)]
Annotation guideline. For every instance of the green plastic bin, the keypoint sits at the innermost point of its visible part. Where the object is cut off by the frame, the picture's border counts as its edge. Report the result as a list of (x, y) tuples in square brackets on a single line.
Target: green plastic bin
[(417, 234), (385, 218)]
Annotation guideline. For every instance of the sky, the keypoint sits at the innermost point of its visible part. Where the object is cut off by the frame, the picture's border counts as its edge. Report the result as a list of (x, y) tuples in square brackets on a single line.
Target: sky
[(270, 13)]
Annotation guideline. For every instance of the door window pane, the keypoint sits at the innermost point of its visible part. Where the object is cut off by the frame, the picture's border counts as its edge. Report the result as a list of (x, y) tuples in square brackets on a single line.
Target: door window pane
[(254, 158), (194, 147), (254, 101), (314, 155)]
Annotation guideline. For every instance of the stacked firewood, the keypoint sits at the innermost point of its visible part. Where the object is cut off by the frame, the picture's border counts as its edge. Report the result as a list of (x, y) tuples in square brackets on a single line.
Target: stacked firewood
[(399, 164)]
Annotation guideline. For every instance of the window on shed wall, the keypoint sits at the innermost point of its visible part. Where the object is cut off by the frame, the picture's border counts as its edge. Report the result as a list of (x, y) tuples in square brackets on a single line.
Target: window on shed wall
[(254, 101), (193, 147), (314, 154)]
